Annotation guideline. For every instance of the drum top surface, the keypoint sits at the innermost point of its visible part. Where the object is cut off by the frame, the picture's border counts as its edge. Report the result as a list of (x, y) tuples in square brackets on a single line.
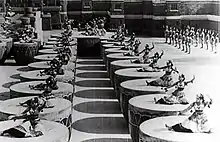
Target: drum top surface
[(147, 102), (121, 56), (132, 72), (126, 63), (140, 85), (12, 106), (156, 128), (39, 65), (112, 45), (53, 131), (106, 42), (24, 87), (36, 74), (46, 57), (115, 50)]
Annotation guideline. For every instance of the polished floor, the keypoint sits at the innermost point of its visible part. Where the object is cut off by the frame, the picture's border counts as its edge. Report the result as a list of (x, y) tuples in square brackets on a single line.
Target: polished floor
[(96, 114)]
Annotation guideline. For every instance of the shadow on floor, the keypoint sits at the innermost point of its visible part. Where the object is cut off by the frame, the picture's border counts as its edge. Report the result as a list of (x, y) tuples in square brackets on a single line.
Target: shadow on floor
[(102, 125), (99, 107), (92, 68), (24, 69), (93, 75), (4, 96), (9, 84), (94, 83), (90, 62), (97, 94), (16, 76)]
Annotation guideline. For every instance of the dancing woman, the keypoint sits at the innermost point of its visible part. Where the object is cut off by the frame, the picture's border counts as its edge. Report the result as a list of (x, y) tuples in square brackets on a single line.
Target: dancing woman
[(198, 121), (134, 49), (117, 34), (145, 58), (166, 80), (153, 64), (31, 115), (54, 70), (50, 82), (178, 96), (132, 38)]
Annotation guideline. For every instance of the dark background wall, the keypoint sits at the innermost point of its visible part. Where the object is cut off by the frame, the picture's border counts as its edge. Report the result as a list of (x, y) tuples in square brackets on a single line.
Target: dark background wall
[(145, 17)]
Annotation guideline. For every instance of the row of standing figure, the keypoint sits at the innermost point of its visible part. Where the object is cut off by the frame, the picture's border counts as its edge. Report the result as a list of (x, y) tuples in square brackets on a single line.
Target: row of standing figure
[(186, 38)]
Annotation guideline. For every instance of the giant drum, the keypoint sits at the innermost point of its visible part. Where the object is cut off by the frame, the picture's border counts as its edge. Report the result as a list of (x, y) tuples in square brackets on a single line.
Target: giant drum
[(154, 130), (142, 108), (133, 88), (117, 56), (24, 52), (130, 74), (122, 64), (108, 46), (61, 109), (111, 51), (22, 89)]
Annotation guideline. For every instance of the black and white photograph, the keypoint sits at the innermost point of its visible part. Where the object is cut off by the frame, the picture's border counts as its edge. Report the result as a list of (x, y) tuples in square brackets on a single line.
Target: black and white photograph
[(109, 70)]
